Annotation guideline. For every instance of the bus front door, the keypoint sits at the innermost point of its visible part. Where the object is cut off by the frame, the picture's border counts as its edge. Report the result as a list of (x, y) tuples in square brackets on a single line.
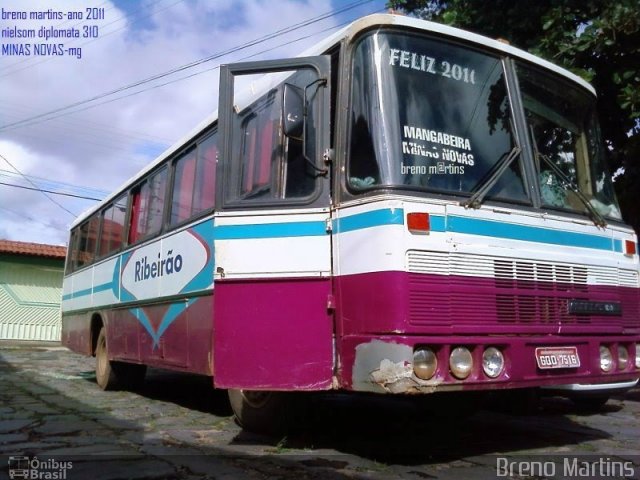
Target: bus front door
[(273, 322)]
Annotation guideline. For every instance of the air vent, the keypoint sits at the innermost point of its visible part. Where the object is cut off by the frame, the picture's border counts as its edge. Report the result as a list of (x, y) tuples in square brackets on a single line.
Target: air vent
[(485, 293), (443, 263)]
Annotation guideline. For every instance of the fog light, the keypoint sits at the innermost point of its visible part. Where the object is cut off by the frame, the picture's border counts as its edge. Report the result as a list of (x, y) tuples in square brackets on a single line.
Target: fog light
[(492, 362), (460, 362), (606, 360), (637, 355), (623, 357), (425, 363)]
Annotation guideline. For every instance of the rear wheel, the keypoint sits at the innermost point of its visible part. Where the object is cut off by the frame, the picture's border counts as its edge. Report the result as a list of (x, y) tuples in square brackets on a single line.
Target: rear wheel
[(112, 375), (105, 375), (262, 411)]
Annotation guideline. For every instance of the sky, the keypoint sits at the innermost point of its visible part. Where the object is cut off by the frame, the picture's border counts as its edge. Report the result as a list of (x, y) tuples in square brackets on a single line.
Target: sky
[(93, 148)]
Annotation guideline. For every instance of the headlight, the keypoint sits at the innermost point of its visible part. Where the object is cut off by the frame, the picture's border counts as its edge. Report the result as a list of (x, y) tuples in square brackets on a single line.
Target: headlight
[(492, 362), (425, 363), (460, 362), (606, 360), (637, 355), (623, 357)]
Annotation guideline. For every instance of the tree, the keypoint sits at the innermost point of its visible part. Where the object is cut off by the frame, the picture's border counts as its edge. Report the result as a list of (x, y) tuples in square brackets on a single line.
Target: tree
[(598, 40)]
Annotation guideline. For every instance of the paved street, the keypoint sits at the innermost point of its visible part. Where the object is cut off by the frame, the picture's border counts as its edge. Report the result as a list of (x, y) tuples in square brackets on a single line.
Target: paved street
[(176, 426)]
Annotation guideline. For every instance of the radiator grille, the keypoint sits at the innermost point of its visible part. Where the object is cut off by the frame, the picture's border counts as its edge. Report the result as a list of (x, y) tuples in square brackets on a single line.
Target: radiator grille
[(461, 289)]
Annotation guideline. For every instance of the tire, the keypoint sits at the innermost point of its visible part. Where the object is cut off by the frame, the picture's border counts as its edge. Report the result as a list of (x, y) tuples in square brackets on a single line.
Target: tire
[(106, 376), (590, 403), (112, 375), (262, 411)]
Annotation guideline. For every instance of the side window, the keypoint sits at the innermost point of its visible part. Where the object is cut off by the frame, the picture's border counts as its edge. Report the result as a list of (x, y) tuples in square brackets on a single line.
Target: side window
[(194, 181), (105, 233), (86, 242), (259, 149), (81, 259), (118, 223), (147, 207), (205, 187), (113, 226), (183, 181), (135, 216), (267, 166), (72, 251), (92, 238)]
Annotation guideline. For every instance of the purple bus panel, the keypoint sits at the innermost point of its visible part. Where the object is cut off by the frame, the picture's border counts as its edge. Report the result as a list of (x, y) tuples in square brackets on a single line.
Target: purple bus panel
[(274, 334), (381, 316), (447, 304)]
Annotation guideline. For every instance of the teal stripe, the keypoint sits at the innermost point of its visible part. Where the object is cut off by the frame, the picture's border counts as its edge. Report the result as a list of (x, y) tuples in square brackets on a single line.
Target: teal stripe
[(527, 233), (374, 218), (269, 230), (88, 291), (103, 287), (395, 216), (617, 245), (438, 223)]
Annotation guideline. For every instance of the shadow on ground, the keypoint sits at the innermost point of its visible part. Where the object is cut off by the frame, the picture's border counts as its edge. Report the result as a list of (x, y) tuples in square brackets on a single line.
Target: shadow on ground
[(396, 431), (187, 390), (372, 428), (402, 432)]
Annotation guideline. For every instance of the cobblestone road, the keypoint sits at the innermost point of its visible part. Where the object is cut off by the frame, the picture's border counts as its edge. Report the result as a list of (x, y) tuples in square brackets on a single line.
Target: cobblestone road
[(176, 426)]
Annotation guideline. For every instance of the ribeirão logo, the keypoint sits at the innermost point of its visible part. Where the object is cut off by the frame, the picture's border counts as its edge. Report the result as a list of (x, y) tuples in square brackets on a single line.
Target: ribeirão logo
[(160, 267), (165, 267)]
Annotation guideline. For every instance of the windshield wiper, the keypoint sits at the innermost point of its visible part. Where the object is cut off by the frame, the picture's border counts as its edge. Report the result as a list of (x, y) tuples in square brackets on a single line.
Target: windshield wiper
[(484, 187), (595, 215)]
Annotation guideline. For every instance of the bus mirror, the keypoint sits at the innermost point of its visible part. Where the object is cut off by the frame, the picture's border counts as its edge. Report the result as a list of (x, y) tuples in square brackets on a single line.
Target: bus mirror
[(293, 111)]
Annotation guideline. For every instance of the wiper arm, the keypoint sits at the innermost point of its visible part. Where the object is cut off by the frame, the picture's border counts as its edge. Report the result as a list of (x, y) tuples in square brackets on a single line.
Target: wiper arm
[(476, 199), (595, 215)]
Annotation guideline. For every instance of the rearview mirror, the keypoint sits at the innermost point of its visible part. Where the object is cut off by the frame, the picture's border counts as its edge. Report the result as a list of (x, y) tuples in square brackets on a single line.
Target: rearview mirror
[(293, 111)]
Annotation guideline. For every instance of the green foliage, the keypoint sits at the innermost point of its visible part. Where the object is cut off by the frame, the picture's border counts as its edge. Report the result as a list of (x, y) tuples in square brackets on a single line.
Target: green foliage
[(598, 40)]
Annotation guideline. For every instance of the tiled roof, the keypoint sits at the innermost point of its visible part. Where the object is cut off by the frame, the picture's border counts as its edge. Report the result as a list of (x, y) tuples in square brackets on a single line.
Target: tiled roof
[(32, 249)]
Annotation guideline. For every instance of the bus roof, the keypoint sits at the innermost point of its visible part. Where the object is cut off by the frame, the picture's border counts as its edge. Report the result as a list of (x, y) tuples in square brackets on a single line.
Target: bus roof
[(349, 32)]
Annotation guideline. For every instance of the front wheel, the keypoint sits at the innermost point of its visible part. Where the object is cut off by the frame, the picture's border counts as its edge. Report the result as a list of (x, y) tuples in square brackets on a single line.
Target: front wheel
[(262, 411)]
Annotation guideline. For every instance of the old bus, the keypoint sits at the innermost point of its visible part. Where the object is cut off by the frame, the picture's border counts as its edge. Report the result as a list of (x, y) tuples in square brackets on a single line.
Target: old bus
[(407, 208)]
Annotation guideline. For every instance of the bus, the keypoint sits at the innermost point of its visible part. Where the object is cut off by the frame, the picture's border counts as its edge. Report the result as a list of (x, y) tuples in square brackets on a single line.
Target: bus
[(405, 209)]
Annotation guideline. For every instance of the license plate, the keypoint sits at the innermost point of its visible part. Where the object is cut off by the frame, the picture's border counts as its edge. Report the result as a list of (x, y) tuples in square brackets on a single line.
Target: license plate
[(557, 357)]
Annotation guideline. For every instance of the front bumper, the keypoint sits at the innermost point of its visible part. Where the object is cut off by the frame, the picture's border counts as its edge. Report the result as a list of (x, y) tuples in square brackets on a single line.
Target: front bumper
[(598, 388), (383, 364)]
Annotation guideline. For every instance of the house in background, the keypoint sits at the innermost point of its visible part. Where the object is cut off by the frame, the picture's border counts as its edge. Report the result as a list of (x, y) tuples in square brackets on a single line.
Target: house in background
[(30, 290)]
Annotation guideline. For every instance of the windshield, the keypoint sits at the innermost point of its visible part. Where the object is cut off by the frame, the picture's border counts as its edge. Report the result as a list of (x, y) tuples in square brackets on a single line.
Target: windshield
[(564, 132), (430, 115)]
